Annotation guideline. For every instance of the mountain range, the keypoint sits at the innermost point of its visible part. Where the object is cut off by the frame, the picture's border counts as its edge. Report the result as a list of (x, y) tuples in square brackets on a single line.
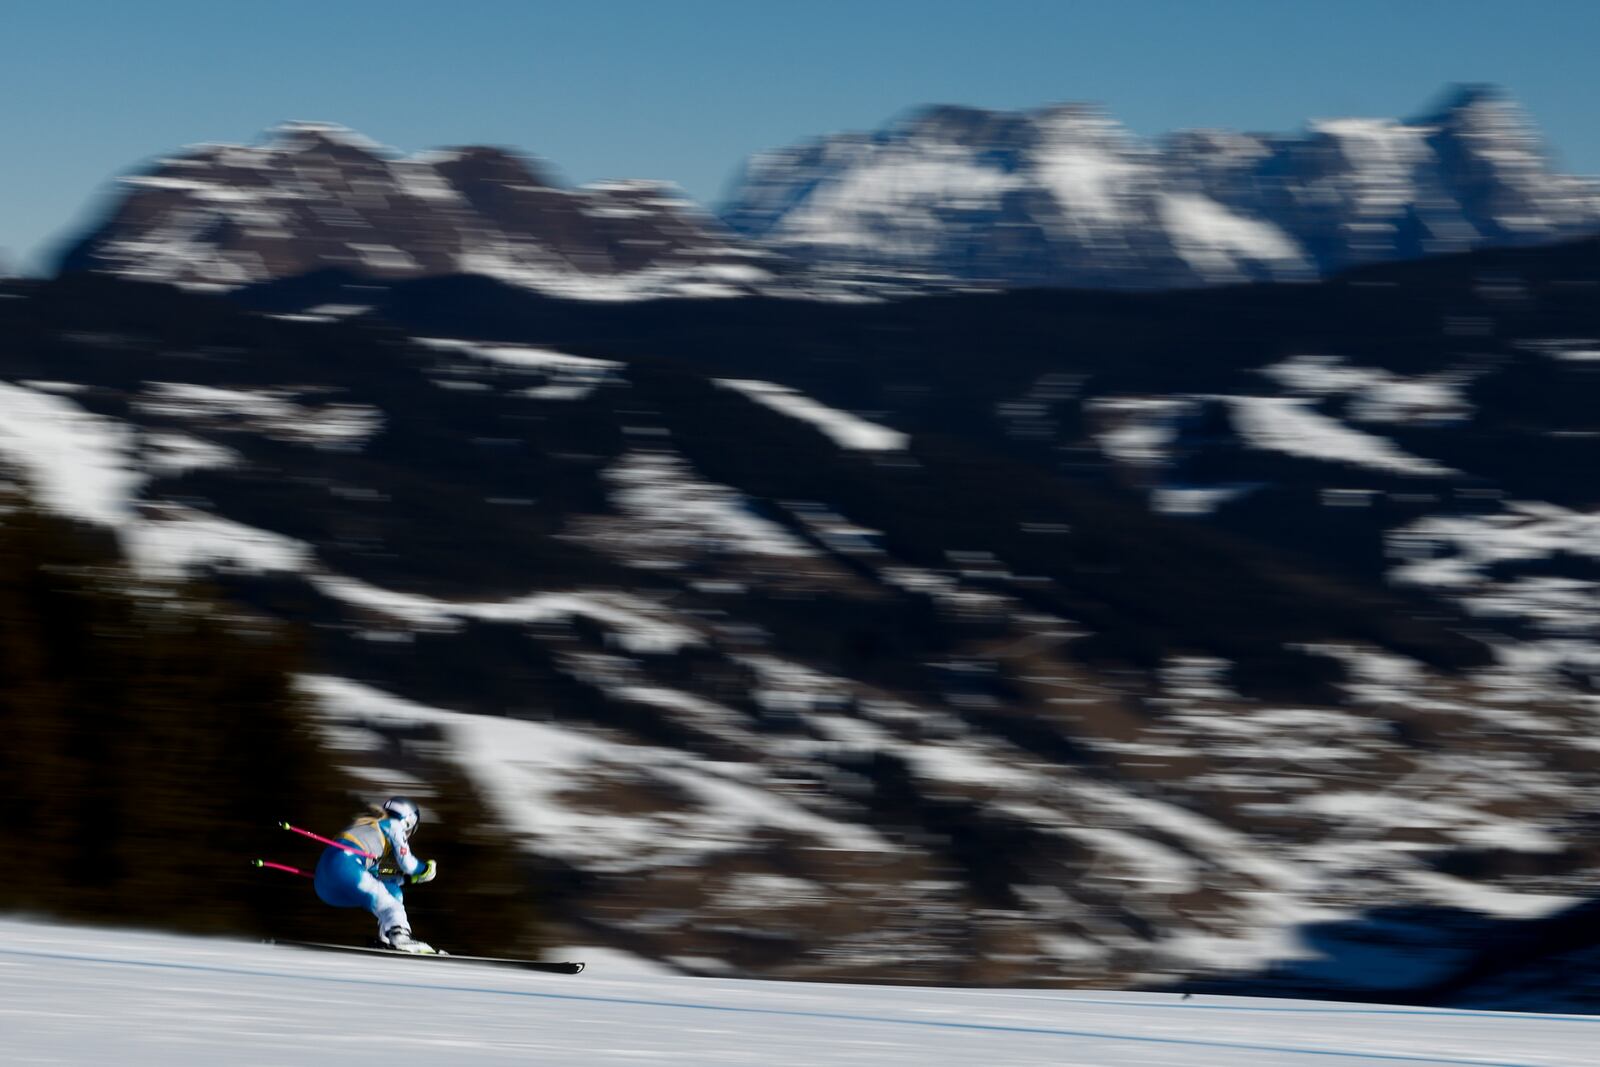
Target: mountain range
[(1026, 605), (947, 197), (1227, 638)]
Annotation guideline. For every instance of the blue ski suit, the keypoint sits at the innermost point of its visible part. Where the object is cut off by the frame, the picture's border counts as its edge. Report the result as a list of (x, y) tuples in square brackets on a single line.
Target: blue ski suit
[(375, 882)]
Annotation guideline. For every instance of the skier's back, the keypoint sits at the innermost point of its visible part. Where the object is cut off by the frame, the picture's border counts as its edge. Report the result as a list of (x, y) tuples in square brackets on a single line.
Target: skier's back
[(375, 878)]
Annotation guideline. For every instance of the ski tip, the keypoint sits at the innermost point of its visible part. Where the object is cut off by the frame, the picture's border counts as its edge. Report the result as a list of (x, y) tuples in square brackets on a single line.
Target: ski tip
[(257, 863)]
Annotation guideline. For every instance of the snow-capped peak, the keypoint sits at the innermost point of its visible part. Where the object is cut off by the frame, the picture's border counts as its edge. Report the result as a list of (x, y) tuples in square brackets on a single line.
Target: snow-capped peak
[(317, 195), (1066, 195), (300, 135)]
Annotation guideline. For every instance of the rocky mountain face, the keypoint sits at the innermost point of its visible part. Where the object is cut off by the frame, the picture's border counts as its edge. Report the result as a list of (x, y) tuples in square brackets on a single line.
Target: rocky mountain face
[(949, 197), (1240, 636), (1067, 196), (321, 197)]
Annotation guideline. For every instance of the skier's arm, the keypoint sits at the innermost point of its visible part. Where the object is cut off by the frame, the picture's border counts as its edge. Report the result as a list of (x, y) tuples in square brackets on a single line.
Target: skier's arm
[(404, 858)]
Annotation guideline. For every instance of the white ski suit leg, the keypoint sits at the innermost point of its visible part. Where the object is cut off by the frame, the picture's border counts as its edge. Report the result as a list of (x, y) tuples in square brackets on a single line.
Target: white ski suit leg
[(386, 901)]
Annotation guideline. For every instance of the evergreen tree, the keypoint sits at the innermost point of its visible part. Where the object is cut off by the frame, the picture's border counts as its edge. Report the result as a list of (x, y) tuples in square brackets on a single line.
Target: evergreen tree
[(152, 738)]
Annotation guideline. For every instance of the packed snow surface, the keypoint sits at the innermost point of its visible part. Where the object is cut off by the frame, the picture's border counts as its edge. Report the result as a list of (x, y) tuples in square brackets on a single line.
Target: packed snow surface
[(71, 995)]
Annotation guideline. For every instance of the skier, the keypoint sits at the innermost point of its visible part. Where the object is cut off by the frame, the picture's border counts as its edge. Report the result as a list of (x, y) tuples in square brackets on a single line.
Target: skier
[(376, 881)]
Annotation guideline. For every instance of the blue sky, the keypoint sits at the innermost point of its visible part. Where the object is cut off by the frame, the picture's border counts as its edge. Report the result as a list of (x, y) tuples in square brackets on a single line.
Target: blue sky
[(684, 91)]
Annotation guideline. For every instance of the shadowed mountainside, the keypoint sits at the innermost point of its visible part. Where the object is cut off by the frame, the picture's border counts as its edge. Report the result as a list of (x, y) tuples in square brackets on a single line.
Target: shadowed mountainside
[(1030, 637)]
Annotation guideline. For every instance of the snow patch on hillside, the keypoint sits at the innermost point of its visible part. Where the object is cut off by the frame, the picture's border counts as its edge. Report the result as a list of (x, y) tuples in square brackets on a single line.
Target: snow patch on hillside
[(527, 767), (704, 281), (177, 542), (674, 509), (1218, 243), (567, 377), (635, 624), (1570, 350), (896, 202), (177, 453), (1376, 395), (846, 430), (274, 413), (78, 462), (1088, 164), (1458, 554), (1138, 430), (527, 357), (1289, 425)]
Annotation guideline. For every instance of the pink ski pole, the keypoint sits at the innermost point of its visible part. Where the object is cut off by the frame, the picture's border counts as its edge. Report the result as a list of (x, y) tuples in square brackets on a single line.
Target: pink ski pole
[(282, 867), (326, 841)]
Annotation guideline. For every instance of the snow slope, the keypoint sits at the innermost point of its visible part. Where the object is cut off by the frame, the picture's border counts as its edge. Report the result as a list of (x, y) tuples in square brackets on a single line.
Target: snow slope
[(90, 996)]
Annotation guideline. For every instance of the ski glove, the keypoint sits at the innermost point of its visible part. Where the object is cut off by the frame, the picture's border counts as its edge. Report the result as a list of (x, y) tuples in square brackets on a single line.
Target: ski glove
[(426, 874)]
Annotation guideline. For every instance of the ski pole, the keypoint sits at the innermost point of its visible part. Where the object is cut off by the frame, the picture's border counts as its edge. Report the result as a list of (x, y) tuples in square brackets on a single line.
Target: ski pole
[(281, 867), (325, 840)]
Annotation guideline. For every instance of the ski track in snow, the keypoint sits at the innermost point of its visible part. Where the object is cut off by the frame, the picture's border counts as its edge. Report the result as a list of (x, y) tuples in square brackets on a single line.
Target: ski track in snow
[(74, 995)]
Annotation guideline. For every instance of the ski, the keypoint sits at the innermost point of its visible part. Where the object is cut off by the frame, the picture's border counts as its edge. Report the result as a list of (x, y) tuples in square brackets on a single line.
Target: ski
[(570, 967)]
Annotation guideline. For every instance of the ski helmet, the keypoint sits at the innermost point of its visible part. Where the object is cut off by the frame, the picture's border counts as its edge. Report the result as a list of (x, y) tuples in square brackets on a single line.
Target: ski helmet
[(405, 809)]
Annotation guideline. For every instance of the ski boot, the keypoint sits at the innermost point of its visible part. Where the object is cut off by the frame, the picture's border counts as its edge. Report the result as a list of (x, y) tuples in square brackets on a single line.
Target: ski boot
[(400, 939)]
